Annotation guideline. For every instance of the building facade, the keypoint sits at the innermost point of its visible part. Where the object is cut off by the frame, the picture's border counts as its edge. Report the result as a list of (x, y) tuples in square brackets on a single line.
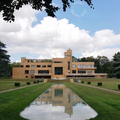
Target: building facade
[(55, 68)]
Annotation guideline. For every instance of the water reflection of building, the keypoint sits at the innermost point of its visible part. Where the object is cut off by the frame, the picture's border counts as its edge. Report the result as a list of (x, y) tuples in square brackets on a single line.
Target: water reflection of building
[(59, 95)]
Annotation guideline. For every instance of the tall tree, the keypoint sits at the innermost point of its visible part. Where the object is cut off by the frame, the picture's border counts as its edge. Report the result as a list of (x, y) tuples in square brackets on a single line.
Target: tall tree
[(8, 7), (4, 61), (116, 65)]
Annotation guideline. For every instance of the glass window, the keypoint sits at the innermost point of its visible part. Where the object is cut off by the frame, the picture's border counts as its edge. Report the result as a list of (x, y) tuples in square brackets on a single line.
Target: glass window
[(67, 55), (26, 71), (73, 65), (38, 65), (49, 66), (26, 76), (32, 72), (89, 65), (81, 66), (58, 70), (73, 71), (43, 71), (27, 65), (43, 65), (81, 71), (57, 61), (32, 65), (89, 71), (68, 65)]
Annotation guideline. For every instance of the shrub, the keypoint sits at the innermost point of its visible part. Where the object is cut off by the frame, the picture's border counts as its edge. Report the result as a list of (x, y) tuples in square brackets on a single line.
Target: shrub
[(119, 86), (99, 84), (82, 81), (28, 83), (17, 84), (75, 81), (41, 81), (34, 82), (88, 82)]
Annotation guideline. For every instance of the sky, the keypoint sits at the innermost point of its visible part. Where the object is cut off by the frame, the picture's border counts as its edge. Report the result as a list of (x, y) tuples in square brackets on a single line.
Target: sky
[(87, 32)]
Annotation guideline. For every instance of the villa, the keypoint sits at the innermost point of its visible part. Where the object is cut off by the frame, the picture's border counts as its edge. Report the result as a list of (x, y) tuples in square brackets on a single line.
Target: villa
[(55, 68)]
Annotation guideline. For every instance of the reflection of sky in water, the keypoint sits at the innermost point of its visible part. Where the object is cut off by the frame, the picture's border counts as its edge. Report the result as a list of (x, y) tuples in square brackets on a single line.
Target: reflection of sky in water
[(57, 109)]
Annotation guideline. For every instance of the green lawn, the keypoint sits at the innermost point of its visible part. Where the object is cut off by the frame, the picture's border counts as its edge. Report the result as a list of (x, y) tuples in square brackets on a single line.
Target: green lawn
[(13, 102), (6, 84), (106, 83), (107, 104)]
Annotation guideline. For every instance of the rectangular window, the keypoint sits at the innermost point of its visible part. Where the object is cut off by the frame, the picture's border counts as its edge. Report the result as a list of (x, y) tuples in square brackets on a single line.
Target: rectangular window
[(43, 65), (43, 71), (68, 65), (89, 71), (49, 66), (67, 55), (73, 71), (89, 65), (32, 65), (26, 71), (26, 76), (27, 65), (81, 71), (38, 65), (57, 61), (58, 70), (73, 65), (32, 72), (81, 66)]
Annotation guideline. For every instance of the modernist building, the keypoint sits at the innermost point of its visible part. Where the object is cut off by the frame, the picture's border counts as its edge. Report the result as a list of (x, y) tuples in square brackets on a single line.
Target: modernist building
[(55, 68)]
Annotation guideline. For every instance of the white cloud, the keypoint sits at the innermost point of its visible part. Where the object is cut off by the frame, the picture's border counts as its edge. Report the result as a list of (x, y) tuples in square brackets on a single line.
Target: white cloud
[(52, 37)]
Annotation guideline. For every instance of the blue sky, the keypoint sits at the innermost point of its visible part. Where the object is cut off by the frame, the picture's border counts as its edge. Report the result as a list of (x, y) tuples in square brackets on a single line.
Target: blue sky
[(88, 32)]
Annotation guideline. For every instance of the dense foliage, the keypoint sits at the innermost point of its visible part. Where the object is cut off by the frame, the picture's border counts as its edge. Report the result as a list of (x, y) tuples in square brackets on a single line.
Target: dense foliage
[(8, 7), (116, 65), (5, 69), (103, 64)]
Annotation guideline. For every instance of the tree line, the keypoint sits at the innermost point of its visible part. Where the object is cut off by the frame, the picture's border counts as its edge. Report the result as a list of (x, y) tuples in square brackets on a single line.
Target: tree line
[(103, 64)]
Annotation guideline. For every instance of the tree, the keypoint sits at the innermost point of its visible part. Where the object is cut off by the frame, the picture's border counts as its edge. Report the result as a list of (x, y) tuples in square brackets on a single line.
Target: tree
[(116, 65), (4, 61), (9, 6)]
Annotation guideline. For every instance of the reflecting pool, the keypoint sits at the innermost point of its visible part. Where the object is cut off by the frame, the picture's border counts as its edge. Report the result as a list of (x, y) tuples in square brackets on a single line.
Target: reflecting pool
[(58, 103)]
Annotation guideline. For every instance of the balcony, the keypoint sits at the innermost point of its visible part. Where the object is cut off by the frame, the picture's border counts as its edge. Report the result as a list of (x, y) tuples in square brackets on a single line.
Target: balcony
[(85, 74), (81, 68), (42, 74)]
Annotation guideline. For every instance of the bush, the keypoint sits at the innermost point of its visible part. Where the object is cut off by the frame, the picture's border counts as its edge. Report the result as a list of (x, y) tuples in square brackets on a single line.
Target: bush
[(17, 84), (41, 81), (82, 81), (119, 86), (88, 82), (28, 83), (34, 82), (99, 84), (75, 81)]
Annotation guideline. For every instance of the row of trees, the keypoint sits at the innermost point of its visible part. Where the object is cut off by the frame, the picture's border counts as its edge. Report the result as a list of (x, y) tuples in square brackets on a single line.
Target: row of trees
[(103, 64)]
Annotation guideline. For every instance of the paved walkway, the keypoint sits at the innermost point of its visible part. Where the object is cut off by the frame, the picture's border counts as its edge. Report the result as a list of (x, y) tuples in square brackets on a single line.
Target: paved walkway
[(100, 88), (17, 88)]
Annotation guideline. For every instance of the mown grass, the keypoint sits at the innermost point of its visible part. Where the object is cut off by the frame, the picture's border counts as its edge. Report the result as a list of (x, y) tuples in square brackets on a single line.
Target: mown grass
[(106, 83), (107, 104), (13, 102), (6, 84)]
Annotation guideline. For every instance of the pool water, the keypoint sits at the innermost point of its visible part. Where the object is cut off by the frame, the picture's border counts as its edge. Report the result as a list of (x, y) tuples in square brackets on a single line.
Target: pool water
[(58, 103)]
